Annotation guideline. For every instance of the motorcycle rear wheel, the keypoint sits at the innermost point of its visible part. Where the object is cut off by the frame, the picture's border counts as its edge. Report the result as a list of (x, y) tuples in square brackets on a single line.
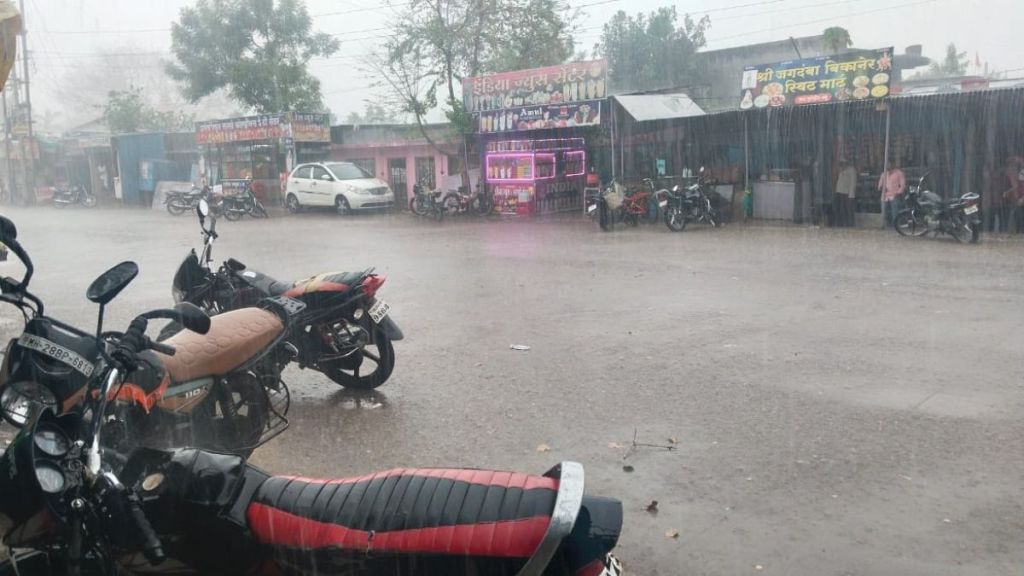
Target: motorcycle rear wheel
[(232, 214), (605, 217), (452, 203), (966, 233), (175, 208), (213, 431), (348, 372), (417, 206), (89, 201), (908, 224)]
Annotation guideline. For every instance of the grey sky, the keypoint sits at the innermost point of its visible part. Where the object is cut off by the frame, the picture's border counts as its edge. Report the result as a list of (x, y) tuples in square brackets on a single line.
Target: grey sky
[(63, 33)]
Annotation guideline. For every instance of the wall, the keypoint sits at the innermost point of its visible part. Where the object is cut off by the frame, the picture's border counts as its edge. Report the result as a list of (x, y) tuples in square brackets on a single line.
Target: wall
[(131, 148)]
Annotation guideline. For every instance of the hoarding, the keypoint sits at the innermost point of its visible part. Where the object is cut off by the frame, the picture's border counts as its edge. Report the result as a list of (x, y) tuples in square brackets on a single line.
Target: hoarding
[(858, 75)]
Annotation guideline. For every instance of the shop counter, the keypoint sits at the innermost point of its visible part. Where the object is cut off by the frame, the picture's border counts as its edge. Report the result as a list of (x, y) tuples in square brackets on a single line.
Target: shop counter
[(774, 200)]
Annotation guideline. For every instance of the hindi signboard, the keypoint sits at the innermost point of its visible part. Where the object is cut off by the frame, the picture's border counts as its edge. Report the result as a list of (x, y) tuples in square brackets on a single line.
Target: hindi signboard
[(859, 75), (300, 126), (551, 97)]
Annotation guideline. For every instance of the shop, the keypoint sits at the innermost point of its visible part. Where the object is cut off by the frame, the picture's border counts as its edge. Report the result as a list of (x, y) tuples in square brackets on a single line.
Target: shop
[(537, 130), (262, 148)]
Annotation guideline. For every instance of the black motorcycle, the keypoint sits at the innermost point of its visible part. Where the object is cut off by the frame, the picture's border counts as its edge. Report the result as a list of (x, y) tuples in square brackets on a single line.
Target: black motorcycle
[(232, 400), (179, 202), (74, 195), (243, 203), (926, 212), (462, 202), (346, 332), (695, 203), (426, 202)]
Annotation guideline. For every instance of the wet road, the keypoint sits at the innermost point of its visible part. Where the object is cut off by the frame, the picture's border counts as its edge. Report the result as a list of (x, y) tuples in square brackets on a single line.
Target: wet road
[(844, 402)]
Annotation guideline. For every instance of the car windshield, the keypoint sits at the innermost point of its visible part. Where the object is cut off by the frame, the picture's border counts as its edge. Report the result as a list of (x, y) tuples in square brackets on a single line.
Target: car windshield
[(347, 171)]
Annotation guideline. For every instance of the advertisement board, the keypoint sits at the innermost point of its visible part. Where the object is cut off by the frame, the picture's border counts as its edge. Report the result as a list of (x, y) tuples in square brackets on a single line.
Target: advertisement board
[(858, 75)]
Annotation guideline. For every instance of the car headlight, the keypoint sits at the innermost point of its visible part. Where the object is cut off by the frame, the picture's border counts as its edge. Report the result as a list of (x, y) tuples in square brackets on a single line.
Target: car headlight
[(360, 191)]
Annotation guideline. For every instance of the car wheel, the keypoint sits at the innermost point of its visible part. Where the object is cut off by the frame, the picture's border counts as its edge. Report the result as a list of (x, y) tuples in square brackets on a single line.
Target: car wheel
[(341, 205), (293, 204)]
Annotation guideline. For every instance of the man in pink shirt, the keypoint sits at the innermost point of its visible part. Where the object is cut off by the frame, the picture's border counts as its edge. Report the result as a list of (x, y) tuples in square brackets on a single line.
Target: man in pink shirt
[(892, 185)]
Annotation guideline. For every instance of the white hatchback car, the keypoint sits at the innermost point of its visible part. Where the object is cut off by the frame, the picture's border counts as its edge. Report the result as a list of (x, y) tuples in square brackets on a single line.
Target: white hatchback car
[(342, 185)]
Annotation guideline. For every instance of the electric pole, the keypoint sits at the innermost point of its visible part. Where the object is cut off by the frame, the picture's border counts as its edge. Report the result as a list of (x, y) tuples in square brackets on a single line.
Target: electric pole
[(30, 157)]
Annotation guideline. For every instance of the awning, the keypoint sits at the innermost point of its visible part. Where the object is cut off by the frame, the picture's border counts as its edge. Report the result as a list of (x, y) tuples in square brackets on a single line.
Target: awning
[(645, 107)]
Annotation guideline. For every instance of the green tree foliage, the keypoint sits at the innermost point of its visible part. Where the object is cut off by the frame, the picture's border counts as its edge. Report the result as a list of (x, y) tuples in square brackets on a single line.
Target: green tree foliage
[(127, 111), (836, 39), (255, 49), (652, 51), (373, 114), (954, 64)]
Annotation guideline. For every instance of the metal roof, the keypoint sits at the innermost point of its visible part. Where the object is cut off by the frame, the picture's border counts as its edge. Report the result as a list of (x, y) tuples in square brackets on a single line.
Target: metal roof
[(645, 107)]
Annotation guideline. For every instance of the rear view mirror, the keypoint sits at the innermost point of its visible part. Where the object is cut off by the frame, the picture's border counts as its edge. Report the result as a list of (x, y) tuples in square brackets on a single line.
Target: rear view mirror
[(110, 283), (326, 177), (203, 209), (193, 318), (8, 231)]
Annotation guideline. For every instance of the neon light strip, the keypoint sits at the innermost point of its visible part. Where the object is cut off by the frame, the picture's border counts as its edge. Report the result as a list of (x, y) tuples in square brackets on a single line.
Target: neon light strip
[(583, 162)]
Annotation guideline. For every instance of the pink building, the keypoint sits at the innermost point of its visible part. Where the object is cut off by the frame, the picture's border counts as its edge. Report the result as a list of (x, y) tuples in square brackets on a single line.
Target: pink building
[(401, 155)]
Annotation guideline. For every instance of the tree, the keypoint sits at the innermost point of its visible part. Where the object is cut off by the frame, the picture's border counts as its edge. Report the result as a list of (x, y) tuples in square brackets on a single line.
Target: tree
[(257, 50), (437, 43), (649, 52), (128, 111), (954, 64), (373, 114), (836, 39)]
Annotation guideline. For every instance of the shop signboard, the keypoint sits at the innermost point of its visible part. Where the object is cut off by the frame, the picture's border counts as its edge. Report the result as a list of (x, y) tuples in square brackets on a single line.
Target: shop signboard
[(536, 96), (857, 75), (539, 117), (310, 127), (262, 127)]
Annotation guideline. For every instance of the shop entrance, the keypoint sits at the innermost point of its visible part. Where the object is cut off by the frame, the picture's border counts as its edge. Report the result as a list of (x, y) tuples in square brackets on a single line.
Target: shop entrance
[(398, 181)]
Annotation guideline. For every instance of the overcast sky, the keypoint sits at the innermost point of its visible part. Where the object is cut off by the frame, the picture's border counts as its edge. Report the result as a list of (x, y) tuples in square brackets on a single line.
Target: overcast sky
[(63, 33)]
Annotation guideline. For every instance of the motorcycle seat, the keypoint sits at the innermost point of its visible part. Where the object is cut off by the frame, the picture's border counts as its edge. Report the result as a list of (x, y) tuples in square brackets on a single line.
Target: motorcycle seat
[(327, 282), (234, 338), (407, 511)]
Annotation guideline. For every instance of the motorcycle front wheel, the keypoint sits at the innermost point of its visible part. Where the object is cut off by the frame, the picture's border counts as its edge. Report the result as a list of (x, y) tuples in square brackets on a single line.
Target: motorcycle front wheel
[(675, 219), (909, 224), (175, 208), (451, 203), (604, 217), (258, 211), (89, 201), (417, 206), (365, 370), (233, 214)]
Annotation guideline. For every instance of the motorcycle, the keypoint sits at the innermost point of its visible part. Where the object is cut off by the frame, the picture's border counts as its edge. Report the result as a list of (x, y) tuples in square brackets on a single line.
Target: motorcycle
[(694, 204), (346, 332), (426, 202), (242, 203), (462, 202), (926, 212), (178, 203), (64, 197), (225, 397), (616, 204)]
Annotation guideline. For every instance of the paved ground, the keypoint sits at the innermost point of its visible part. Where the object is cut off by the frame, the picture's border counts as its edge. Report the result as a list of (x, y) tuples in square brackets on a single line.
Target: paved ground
[(845, 402)]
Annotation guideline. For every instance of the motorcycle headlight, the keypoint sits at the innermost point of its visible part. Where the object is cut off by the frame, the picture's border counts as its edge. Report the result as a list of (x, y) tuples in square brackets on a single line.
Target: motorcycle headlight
[(19, 401)]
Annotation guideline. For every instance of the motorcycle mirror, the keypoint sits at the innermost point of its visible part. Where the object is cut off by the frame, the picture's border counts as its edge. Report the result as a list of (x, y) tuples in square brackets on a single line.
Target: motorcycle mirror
[(110, 283), (203, 209), (193, 318), (8, 231), (701, 169)]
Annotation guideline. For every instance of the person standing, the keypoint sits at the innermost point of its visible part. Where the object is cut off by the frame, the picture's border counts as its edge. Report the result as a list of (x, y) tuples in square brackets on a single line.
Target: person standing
[(1013, 197), (845, 193), (892, 185)]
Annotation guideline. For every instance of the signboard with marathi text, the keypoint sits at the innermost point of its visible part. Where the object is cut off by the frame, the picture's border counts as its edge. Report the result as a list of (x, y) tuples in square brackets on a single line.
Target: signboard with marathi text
[(551, 97), (300, 126), (859, 75)]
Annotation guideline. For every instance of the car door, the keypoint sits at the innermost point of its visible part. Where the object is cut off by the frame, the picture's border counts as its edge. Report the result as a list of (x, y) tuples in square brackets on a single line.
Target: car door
[(298, 183), (321, 186)]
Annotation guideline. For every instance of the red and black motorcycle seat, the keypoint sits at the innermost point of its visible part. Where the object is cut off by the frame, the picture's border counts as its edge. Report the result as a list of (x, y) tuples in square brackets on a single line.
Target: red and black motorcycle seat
[(327, 282), (407, 511)]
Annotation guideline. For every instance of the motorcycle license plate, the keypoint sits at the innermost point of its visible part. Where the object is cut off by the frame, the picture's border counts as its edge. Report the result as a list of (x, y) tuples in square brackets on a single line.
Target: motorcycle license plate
[(663, 203), (378, 311), (591, 208), (970, 210)]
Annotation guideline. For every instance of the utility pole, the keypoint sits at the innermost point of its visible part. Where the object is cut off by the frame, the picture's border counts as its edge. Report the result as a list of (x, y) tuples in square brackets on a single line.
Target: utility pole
[(7, 152), (30, 157)]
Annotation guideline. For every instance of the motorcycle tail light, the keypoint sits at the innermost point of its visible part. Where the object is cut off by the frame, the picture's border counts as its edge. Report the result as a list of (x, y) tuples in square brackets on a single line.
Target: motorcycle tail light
[(371, 284)]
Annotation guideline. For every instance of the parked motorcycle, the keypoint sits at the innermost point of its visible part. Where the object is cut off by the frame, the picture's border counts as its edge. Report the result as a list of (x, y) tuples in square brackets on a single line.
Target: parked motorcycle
[(926, 212), (242, 203), (221, 391), (617, 204), (63, 510), (346, 331), (179, 202), (64, 197), (426, 202), (462, 202), (694, 204)]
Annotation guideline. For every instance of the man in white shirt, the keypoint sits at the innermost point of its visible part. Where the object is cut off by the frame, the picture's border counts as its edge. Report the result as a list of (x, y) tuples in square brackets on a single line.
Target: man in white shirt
[(846, 192)]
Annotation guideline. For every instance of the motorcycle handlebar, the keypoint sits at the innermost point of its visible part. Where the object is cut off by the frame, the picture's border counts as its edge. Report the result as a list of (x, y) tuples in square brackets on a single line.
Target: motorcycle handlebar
[(151, 546)]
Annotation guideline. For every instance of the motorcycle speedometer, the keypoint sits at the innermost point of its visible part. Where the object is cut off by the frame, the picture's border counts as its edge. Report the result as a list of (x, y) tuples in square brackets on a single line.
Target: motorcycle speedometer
[(52, 442), (50, 477)]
